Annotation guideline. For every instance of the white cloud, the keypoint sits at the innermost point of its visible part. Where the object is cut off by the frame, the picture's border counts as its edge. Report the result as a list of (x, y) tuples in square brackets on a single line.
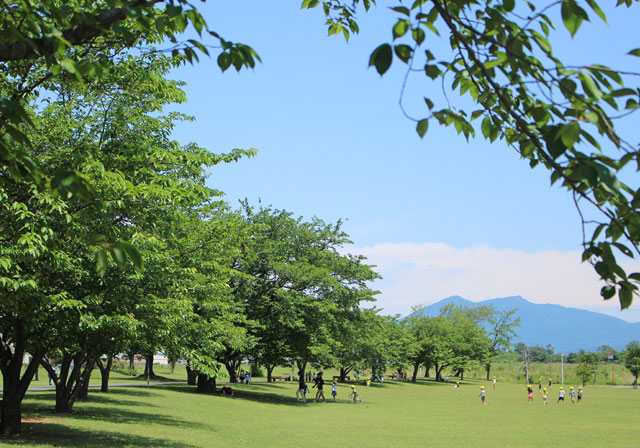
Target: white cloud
[(427, 272)]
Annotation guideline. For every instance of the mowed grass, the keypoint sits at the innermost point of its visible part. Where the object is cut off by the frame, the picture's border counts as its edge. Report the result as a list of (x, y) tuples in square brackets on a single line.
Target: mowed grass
[(394, 415)]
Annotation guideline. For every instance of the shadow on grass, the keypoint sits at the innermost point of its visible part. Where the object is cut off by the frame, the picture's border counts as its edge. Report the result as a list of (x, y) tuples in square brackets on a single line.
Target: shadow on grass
[(56, 434), (259, 392), (112, 407)]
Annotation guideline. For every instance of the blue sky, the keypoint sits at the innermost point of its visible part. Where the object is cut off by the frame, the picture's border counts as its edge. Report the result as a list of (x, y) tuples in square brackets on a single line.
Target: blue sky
[(439, 216)]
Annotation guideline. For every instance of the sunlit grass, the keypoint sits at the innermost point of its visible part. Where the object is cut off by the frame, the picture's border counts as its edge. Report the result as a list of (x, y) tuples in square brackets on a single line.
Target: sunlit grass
[(396, 414)]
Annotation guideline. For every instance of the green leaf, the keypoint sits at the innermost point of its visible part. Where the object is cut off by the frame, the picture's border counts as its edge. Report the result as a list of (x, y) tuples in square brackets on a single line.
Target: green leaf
[(626, 297), (381, 58), (224, 61), (635, 52), (590, 86), (400, 28), (101, 262), (486, 127), (422, 127), (508, 5), (603, 270), (571, 16), (596, 8), (570, 134), (607, 292)]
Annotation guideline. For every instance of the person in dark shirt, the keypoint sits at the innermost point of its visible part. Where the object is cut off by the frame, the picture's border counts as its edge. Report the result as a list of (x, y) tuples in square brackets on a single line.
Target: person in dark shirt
[(319, 383)]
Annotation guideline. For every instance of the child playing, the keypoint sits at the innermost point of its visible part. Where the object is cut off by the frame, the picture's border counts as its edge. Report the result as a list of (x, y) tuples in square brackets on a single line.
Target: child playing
[(572, 394), (354, 394), (483, 395), (561, 395), (334, 390), (579, 394), (530, 393), (544, 396), (494, 382)]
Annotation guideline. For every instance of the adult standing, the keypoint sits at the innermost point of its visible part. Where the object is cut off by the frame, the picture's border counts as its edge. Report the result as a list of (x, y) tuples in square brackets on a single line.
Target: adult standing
[(319, 383)]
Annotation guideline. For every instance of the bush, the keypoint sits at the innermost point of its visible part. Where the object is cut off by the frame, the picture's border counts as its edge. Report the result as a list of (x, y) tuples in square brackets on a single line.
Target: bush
[(257, 371)]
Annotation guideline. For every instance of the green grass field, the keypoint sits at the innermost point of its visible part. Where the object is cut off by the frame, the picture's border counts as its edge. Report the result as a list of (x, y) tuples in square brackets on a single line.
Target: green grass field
[(396, 414)]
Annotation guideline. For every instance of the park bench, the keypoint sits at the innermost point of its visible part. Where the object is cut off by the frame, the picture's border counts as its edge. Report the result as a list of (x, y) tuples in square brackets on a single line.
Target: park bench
[(337, 377), (278, 378)]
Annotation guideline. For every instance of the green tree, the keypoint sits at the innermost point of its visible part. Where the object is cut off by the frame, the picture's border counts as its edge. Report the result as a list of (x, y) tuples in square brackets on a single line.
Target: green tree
[(587, 366), (501, 327), (299, 289), (501, 65), (632, 360)]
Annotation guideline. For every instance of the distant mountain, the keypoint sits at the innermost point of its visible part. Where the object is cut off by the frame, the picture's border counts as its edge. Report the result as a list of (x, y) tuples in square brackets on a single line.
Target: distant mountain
[(566, 329)]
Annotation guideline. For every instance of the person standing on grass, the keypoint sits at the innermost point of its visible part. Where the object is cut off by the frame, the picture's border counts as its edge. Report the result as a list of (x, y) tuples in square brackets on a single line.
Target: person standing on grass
[(302, 389), (545, 396), (494, 382), (579, 393), (334, 390), (561, 395), (540, 385), (241, 376), (530, 393), (572, 394), (354, 394), (319, 383), (549, 384), (483, 396), (247, 377)]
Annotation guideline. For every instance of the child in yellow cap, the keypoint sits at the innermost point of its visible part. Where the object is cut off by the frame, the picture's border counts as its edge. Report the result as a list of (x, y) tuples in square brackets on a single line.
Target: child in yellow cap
[(483, 395), (561, 395), (572, 394), (545, 395), (354, 394), (579, 394)]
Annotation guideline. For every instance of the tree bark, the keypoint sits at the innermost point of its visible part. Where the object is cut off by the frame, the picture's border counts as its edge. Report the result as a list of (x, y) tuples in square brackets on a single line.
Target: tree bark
[(269, 368), (105, 371), (232, 366), (191, 376), (344, 371), (148, 366), (487, 366), (14, 384), (206, 384), (83, 391), (132, 367), (416, 366)]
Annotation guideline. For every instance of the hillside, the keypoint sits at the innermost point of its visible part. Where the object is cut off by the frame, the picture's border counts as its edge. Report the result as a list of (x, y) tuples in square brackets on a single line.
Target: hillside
[(566, 329)]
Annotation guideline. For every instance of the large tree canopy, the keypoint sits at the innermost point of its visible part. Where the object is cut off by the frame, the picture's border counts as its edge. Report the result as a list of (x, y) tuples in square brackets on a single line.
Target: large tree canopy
[(501, 78)]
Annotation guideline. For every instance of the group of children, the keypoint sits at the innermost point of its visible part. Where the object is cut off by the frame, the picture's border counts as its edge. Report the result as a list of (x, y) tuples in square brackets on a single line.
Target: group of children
[(301, 393), (575, 397)]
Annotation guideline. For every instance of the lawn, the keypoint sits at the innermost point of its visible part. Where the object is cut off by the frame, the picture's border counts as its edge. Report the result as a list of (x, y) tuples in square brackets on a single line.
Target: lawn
[(396, 414)]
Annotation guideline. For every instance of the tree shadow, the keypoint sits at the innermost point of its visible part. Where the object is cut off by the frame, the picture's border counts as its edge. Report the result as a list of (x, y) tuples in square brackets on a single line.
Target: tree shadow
[(113, 409), (113, 397), (56, 434), (262, 395)]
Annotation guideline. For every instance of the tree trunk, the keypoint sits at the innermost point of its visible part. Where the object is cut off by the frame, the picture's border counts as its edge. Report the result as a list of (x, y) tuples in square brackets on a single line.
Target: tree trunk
[(132, 366), (206, 384), (302, 366), (232, 367), (83, 392), (72, 379), (269, 368), (344, 371), (14, 385), (105, 371), (148, 366), (487, 367), (191, 376), (416, 366), (427, 368)]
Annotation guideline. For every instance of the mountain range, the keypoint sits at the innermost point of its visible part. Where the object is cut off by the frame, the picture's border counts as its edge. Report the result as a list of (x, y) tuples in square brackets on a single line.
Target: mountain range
[(566, 329)]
